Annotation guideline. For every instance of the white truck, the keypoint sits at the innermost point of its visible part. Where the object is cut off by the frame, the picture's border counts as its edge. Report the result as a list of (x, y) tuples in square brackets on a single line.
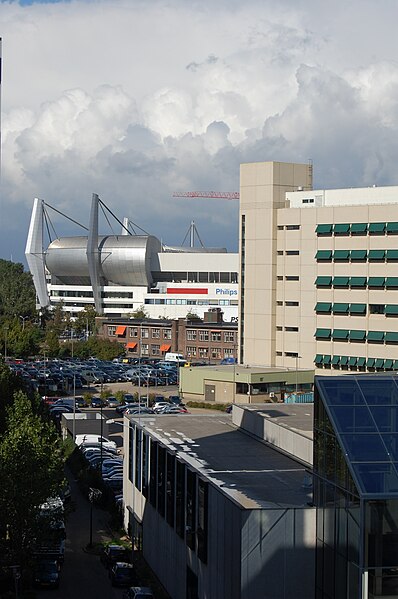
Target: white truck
[(175, 357)]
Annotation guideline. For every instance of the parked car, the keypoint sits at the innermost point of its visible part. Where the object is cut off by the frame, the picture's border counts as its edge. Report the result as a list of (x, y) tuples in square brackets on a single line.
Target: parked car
[(112, 402), (111, 554), (138, 593), (97, 402), (122, 574), (46, 574), (80, 401)]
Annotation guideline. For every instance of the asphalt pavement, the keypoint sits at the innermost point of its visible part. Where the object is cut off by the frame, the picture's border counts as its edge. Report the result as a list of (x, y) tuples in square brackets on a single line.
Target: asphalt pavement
[(83, 576)]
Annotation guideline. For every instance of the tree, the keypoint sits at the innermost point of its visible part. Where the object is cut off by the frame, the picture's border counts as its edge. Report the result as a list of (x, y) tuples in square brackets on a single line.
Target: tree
[(193, 316), (31, 471), (10, 384), (22, 341), (17, 291), (140, 313), (85, 320)]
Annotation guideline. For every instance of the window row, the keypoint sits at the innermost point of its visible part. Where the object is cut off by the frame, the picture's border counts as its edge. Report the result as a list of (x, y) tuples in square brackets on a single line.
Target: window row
[(356, 255), (358, 282), (356, 309), (353, 362), (205, 335), (328, 229), (356, 335), (214, 353), (142, 332), (194, 277), (178, 494)]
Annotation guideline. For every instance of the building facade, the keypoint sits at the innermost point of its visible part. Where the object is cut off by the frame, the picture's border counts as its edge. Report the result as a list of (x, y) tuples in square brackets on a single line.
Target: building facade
[(209, 341), (318, 272)]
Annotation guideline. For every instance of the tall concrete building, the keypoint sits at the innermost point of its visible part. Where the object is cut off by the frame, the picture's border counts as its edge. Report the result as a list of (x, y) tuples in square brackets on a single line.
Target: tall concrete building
[(319, 280)]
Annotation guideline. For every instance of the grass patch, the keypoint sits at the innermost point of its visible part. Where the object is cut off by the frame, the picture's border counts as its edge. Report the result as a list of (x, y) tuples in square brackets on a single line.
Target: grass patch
[(221, 407)]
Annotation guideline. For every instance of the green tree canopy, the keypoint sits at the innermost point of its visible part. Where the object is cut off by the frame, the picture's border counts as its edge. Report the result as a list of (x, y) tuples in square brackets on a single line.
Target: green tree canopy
[(31, 471), (85, 320), (17, 292)]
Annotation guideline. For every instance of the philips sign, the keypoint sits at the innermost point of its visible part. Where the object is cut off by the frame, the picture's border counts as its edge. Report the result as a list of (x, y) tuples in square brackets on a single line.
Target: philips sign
[(220, 291)]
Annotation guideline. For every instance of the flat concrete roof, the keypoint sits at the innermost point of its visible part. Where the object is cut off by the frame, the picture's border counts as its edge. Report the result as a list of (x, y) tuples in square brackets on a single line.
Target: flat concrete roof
[(296, 417), (253, 474)]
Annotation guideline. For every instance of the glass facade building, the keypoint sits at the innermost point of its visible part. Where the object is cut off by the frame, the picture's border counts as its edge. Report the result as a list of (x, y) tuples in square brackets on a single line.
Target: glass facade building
[(356, 486)]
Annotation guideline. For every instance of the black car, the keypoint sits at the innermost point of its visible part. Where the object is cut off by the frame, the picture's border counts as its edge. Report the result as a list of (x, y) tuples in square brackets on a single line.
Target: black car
[(97, 402), (111, 554), (46, 574), (122, 574)]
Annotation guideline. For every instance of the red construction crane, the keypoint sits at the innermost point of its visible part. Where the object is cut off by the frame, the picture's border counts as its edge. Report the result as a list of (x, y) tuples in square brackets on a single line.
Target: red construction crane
[(224, 195)]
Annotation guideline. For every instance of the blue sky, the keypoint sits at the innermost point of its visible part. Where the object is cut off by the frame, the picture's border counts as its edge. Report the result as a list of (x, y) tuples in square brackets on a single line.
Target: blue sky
[(133, 100)]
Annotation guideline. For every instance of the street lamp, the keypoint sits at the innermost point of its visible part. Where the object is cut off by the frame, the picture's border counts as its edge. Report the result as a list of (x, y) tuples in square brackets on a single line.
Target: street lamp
[(23, 318)]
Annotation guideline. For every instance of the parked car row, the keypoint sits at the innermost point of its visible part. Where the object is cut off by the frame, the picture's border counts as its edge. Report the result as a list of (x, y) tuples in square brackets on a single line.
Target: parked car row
[(117, 559)]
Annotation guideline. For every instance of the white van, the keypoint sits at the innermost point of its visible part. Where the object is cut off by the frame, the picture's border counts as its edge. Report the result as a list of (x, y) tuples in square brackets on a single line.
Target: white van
[(174, 357)]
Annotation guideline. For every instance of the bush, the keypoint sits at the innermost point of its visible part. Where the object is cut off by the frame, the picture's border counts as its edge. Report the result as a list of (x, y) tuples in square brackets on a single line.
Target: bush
[(221, 407)]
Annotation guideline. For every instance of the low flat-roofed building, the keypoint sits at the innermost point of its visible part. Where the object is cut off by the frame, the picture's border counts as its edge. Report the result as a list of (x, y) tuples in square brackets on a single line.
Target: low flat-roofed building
[(243, 384), (217, 512)]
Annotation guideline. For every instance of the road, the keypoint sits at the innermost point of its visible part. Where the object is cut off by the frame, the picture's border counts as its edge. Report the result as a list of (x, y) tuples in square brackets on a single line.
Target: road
[(83, 576)]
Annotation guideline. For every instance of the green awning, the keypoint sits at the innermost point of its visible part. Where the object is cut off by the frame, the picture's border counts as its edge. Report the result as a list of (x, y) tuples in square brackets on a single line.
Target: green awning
[(359, 228), (376, 282), (361, 362), (318, 359), (391, 309), (335, 360), (358, 255), (343, 360), (370, 363), (341, 228), (323, 281), (326, 359), (358, 281), (375, 335), (391, 337), (357, 335), (357, 308), (392, 282), (388, 364), (392, 227), (324, 229), (323, 307), (352, 361), (377, 227), (340, 281), (324, 255), (323, 333), (340, 333), (341, 254), (379, 363), (376, 255), (392, 255), (340, 308), (395, 365)]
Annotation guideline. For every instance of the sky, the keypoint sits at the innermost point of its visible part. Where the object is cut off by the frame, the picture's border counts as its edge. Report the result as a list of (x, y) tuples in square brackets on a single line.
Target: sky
[(136, 99)]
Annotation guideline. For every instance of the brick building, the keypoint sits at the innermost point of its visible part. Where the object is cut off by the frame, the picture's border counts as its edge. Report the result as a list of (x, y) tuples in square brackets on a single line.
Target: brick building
[(210, 339)]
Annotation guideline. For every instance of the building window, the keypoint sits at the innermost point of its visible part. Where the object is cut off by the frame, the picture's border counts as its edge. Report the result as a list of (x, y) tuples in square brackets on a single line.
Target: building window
[(191, 509), (202, 520), (292, 252), (133, 331), (170, 488), (145, 465), (190, 351), (161, 480), (203, 352), (203, 335), (155, 349), (155, 333), (280, 252), (191, 335), (292, 227), (291, 329), (180, 500), (111, 331), (216, 336), (292, 278), (279, 303), (216, 353), (292, 304), (153, 460), (376, 308), (144, 333), (144, 349), (228, 352), (229, 336), (279, 278), (291, 354), (166, 333), (278, 328), (138, 445)]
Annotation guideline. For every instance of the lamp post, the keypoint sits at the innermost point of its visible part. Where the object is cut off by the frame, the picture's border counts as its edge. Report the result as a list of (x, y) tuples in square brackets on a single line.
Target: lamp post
[(23, 318), (74, 393)]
